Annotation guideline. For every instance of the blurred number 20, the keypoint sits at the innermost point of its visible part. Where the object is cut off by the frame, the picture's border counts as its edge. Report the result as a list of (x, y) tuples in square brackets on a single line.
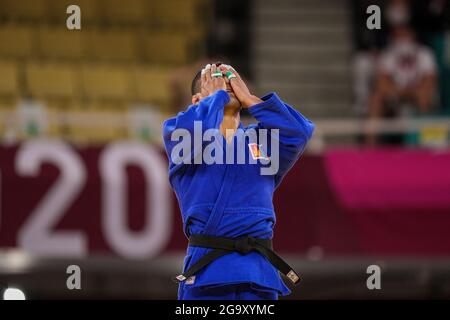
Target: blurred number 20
[(37, 236)]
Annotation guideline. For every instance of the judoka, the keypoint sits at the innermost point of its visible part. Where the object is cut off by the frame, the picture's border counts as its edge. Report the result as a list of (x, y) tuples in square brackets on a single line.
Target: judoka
[(226, 206)]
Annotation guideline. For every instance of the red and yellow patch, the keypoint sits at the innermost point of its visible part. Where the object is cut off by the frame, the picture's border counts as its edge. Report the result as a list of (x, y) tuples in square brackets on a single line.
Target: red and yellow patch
[(257, 152)]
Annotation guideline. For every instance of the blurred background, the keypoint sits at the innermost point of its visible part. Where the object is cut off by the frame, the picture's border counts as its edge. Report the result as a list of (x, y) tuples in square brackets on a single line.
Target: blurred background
[(83, 174)]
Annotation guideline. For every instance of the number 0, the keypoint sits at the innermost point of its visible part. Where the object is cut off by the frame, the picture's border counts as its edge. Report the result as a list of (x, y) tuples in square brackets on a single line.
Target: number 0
[(156, 233)]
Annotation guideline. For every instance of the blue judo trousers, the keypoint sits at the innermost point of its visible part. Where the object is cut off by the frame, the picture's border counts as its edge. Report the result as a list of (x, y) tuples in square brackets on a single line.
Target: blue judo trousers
[(232, 199)]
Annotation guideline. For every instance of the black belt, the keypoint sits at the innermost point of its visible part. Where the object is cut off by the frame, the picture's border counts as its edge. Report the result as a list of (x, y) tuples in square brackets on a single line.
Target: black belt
[(222, 246)]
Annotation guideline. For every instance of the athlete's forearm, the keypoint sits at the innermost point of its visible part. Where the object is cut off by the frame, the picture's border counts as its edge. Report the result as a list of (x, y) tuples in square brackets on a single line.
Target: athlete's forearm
[(273, 113)]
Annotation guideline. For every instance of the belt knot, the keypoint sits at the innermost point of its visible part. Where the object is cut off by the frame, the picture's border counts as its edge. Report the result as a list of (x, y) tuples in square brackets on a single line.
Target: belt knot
[(245, 245)]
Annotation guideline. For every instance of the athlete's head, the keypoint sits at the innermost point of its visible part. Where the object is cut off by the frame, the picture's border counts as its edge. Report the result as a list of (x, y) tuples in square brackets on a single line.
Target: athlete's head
[(198, 95)]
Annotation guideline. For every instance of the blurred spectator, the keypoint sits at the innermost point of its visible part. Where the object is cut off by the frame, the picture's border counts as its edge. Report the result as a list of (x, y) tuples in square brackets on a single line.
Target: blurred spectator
[(406, 70), (406, 78), (364, 70), (430, 20)]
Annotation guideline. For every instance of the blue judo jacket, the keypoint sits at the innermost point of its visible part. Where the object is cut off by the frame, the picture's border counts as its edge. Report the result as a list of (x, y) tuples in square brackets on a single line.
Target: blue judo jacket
[(232, 199)]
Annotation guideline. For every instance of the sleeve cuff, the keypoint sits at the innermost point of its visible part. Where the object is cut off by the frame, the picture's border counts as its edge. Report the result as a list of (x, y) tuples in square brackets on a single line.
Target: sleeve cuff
[(267, 101), (223, 96)]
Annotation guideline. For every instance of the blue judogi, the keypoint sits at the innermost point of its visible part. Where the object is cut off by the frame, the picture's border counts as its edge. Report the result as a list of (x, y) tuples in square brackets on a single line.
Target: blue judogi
[(233, 200)]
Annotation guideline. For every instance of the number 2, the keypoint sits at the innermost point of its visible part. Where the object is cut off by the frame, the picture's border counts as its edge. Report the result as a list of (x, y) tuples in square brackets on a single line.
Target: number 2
[(36, 235)]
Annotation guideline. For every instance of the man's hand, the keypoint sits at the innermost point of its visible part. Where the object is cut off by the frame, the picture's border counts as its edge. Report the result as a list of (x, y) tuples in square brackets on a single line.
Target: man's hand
[(211, 84), (240, 89)]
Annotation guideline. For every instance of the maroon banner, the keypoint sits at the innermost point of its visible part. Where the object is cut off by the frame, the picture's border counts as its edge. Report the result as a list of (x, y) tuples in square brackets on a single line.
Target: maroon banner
[(61, 200)]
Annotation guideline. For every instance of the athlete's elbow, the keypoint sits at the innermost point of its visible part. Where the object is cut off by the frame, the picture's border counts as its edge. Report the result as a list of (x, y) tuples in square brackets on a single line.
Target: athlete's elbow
[(309, 129), (302, 133), (167, 129)]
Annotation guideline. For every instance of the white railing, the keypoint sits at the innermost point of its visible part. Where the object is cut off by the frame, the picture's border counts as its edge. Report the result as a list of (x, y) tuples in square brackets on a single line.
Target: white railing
[(325, 128), (344, 127)]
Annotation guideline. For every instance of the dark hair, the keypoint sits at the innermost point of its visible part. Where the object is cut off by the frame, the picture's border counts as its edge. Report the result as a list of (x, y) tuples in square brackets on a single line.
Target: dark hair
[(195, 86)]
